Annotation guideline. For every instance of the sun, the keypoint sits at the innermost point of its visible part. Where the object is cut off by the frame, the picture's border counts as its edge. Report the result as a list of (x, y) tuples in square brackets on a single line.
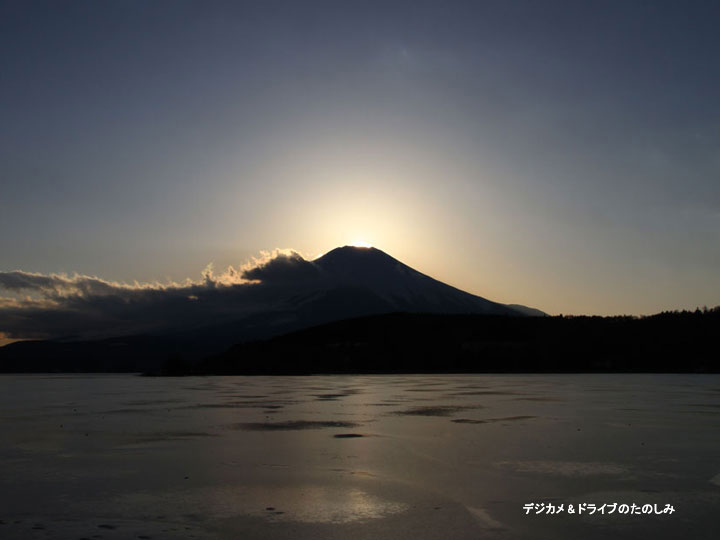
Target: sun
[(355, 243), (360, 243)]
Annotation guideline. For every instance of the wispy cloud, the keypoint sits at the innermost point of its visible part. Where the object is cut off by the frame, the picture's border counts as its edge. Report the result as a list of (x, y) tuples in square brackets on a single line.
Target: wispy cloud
[(61, 305)]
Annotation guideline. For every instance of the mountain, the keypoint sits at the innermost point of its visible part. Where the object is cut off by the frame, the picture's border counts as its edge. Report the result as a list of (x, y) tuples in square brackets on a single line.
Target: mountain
[(399, 286), (345, 283), (524, 310), (287, 294)]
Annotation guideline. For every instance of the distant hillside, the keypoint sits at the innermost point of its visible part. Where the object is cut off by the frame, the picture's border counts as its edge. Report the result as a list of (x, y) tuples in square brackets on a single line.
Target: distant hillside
[(129, 354)]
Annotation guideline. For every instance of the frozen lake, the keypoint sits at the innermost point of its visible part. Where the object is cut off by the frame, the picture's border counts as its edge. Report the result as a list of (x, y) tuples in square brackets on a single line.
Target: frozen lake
[(358, 457)]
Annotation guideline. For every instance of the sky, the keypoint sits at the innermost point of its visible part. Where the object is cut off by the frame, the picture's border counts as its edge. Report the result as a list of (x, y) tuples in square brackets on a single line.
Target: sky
[(560, 155)]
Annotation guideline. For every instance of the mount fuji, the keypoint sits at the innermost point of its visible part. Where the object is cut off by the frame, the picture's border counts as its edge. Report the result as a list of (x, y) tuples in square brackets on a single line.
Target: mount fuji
[(394, 286), (285, 294)]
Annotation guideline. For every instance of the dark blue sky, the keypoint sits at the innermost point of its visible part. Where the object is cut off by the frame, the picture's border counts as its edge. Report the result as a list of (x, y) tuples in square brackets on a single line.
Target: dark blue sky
[(562, 155)]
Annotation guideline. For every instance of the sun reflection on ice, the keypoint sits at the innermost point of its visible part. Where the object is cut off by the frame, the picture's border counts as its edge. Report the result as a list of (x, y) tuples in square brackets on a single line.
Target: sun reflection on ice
[(324, 504)]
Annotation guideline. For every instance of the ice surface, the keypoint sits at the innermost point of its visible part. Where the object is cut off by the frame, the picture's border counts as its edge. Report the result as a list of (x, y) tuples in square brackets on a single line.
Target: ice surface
[(382, 457)]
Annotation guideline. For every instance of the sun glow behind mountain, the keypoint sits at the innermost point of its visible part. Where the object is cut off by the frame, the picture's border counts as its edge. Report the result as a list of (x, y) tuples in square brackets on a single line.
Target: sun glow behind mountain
[(360, 244), (355, 243)]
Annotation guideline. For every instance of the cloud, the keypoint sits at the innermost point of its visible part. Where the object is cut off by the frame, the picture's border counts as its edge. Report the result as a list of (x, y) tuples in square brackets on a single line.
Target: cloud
[(82, 306), (283, 268), (61, 285)]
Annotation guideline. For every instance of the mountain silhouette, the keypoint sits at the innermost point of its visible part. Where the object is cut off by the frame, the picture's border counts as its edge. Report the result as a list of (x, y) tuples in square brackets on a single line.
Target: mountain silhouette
[(288, 293), (345, 283), (400, 287)]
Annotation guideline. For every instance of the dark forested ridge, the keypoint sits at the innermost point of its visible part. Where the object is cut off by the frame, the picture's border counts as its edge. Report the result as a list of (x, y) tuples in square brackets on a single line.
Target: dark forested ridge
[(669, 342)]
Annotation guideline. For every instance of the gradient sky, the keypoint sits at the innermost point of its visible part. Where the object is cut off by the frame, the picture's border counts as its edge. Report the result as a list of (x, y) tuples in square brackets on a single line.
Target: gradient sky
[(561, 155)]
